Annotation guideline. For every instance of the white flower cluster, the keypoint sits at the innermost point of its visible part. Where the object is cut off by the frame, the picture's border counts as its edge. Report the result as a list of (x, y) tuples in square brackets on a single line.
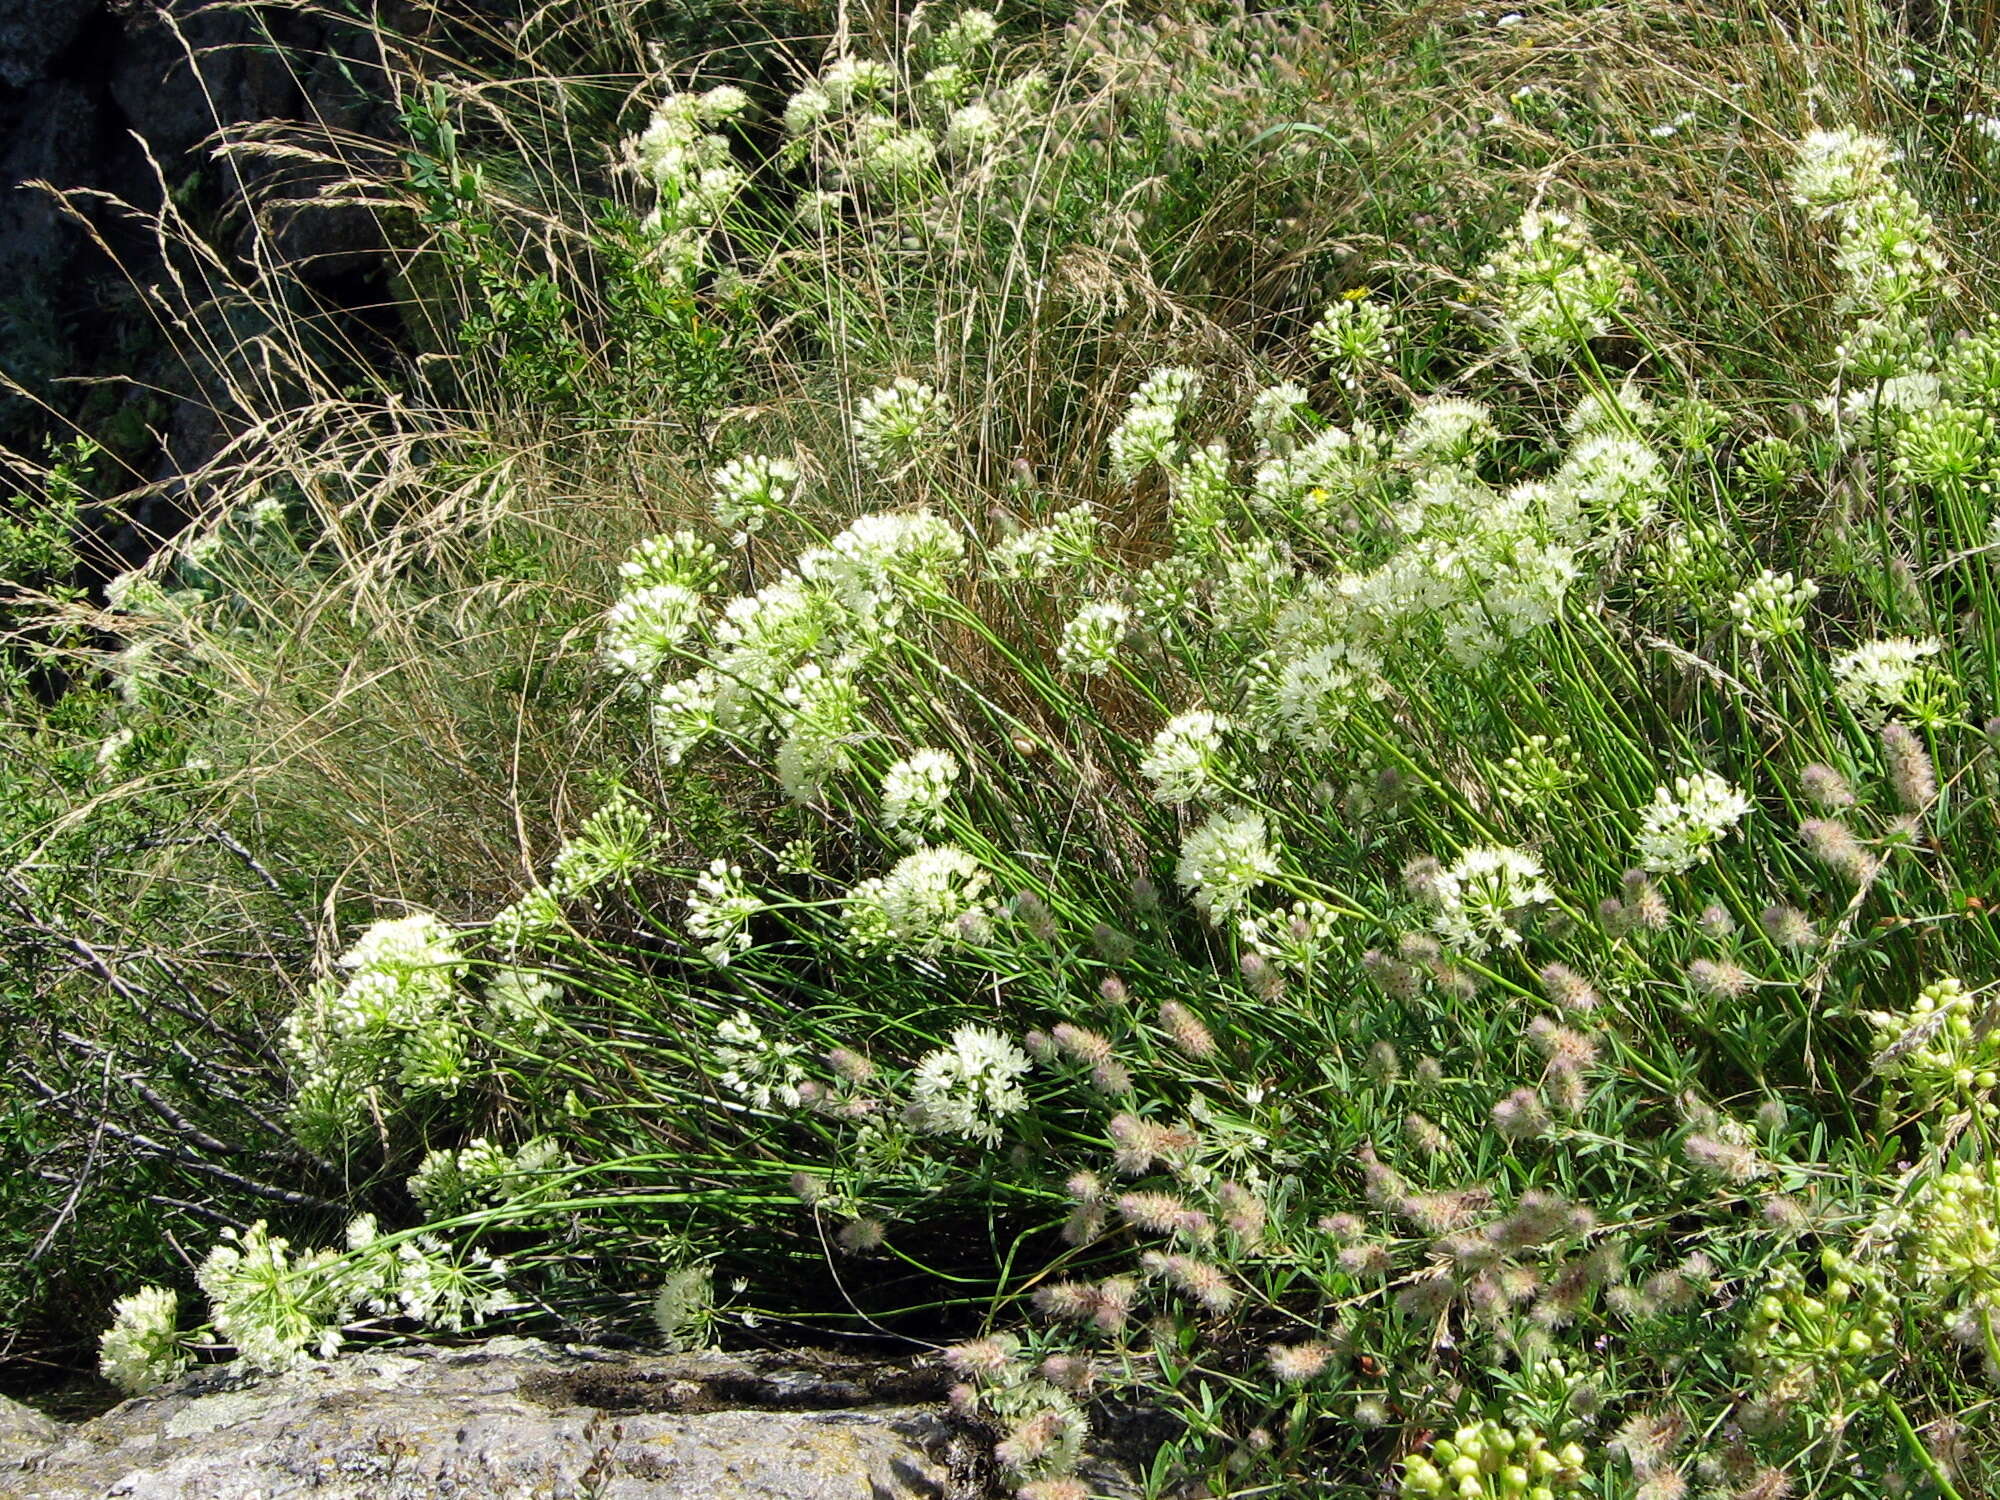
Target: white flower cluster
[(1897, 676), (1555, 287), (1224, 858), (754, 1068), (720, 909), (1149, 431), (967, 1089), (644, 628), (279, 1309), (914, 793), (143, 1348), (1067, 541), (1091, 639), (1685, 821), (1353, 336), (1446, 430), (932, 897), (609, 846), (689, 167), (664, 578), (1184, 757), (895, 423), (1480, 898), (1772, 606), (396, 1019), (450, 1181), (747, 491), (785, 663)]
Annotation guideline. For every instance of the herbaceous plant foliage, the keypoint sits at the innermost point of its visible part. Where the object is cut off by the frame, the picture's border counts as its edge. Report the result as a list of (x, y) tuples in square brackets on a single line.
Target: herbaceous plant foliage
[(1402, 885)]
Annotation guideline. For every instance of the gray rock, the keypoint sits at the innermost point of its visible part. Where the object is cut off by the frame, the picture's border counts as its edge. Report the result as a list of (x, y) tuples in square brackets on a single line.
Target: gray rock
[(24, 1432), (516, 1420), (33, 33)]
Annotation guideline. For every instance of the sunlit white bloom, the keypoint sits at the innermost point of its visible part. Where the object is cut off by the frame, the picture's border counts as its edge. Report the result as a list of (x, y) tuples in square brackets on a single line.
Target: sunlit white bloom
[(1090, 640), (684, 714), (970, 31), (823, 727), (1279, 413), (898, 159), (914, 793), (1295, 937), (678, 557), (1224, 859), (1835, 167), (806, 109), (971, 130), (884, 561), (1481, 895), (967, 1089), (276, 1308), (921, 903), (1306, 696), (1183, 759), (1446, 430), (142, 1348), (847, 79), (754, 1068), (748, 490), (1686, 820), (643, 630), (720, 909), (1624, 410), (1353, 335), (1772, 606), (1556, 289), (894, 423), (1884, 678), (1148, 435), (1067, 540)]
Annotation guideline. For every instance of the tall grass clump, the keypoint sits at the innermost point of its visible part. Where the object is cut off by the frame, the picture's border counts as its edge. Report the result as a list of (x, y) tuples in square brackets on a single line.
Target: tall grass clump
[(1279, 715)]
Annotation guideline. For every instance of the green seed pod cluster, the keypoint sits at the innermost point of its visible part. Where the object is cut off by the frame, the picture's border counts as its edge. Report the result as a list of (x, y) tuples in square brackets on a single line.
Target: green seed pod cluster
[(1834, 1342), (1938, 1049), (1952, 1232), (1487, 1461)]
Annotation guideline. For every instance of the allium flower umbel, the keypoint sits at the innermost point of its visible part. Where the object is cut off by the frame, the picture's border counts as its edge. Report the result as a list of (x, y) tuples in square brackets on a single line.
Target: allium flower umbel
[(1224, 859), (925, 902), (1555, 287), (644, 627), (894, 424), (1181, 762), (1772, 606), (966, 1090), (1897, 677), (720, 908), (142, 1348), (1480, 897), (748, 490), (1686, 820), (914, 792), (1090, 640)]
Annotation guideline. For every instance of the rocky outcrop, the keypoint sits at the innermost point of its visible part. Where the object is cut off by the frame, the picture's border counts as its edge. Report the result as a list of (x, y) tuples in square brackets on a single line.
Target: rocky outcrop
[(516, 1419)]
